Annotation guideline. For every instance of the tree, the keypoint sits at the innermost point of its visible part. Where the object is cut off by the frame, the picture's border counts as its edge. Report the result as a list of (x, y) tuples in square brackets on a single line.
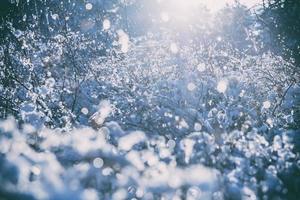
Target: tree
[(281, 18)]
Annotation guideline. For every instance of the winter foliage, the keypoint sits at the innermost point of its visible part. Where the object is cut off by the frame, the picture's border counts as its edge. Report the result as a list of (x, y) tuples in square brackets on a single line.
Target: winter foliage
[(132, 100)]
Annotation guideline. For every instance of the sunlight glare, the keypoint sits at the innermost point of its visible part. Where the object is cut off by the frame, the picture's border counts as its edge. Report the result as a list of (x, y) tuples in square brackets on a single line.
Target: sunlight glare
[(213, 5)]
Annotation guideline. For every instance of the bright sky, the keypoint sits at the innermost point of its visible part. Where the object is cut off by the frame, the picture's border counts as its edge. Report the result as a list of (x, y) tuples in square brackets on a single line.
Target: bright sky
[(213, 5)]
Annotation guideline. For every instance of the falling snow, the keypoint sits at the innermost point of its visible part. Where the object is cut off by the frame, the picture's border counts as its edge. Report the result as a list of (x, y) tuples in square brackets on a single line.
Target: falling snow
[(266, 104), (88, 6), (222, 86), (106, 24), (145, 99)]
